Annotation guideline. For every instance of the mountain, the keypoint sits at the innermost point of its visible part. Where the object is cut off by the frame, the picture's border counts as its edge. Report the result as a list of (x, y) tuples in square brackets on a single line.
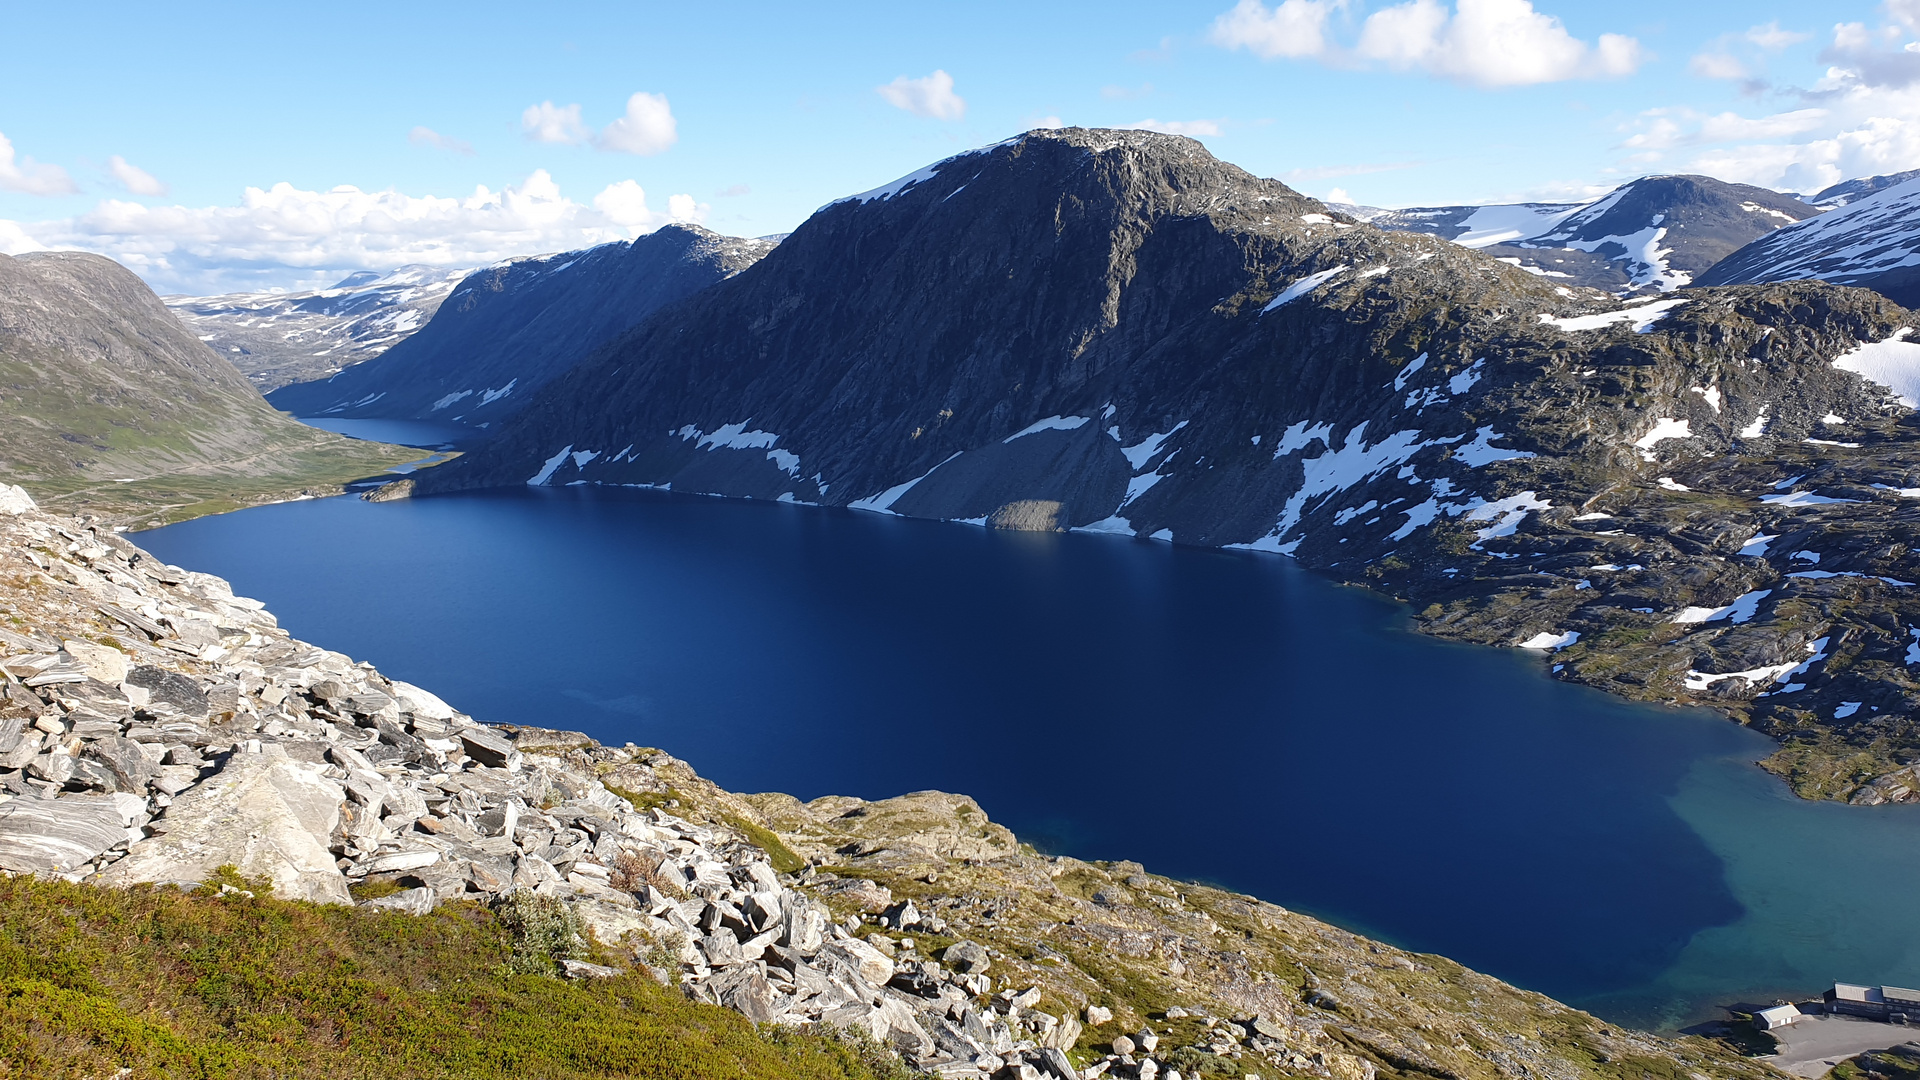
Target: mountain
[(1655, 233), (1113, 331), (281, 338), (1848, 191), (108, 403), (508, 329), (1468, 226), (1872, 241)]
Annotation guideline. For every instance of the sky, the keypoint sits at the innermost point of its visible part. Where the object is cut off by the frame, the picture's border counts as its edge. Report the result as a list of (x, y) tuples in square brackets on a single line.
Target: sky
[(226, 147)]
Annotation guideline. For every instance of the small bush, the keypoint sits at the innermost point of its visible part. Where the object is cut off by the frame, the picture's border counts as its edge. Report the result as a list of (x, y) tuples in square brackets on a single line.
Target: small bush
[(544, 933)]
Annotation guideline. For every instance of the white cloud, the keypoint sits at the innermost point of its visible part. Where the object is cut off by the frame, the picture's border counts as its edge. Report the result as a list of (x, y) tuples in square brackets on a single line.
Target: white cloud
[(550, 123), (1338, 195), (1193, 128), (1717, 65), (1048, 121), (30, 176), (1292, 29), (647, 128), (288, 237), (1770, 37), (1862, 118), (931, 96), (1490, 43), (426, 136), (135, 179), (1122, 93)]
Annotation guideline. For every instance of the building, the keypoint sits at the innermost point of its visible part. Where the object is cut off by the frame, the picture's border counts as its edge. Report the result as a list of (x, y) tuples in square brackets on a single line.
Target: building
[(1891, 1003), (1777, 1017)]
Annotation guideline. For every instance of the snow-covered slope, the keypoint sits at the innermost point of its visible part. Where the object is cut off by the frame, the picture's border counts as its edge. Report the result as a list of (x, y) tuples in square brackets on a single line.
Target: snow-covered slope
[(1654, 234), (1873, 242), (1849, 191), (276, 338)]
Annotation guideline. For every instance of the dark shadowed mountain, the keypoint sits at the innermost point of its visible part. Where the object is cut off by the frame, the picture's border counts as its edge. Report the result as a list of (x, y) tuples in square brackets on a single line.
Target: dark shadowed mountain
[(1114, 331), (1872, 241), (508, 329), (107, 403)]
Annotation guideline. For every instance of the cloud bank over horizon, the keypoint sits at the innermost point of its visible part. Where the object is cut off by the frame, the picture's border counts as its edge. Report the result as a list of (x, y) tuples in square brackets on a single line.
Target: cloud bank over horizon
[(283, 237)]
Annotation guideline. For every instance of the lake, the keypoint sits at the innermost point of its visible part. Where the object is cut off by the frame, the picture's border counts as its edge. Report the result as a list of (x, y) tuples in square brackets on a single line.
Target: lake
[(1222, 716)]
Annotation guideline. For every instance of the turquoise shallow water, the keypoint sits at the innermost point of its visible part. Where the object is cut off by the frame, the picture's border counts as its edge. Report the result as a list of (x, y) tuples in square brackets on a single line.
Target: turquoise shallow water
[(1215, 715)]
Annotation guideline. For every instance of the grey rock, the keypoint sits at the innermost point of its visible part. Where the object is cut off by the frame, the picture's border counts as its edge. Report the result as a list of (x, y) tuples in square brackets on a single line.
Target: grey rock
[(580, 969), (410, 901), (172, 688), (267, 815), (966, 958), (58, 835), (489, 748), (124, 759)]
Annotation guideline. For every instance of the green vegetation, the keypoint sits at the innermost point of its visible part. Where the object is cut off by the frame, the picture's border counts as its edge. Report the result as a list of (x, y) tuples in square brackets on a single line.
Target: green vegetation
[(210, 984)]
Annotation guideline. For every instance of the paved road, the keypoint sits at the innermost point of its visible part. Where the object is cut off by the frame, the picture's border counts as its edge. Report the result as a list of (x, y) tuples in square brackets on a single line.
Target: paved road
[(1817, 1043)]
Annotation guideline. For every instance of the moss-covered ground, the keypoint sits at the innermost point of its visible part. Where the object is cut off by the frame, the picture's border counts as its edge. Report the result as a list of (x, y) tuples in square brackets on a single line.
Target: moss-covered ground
[(155, 982)]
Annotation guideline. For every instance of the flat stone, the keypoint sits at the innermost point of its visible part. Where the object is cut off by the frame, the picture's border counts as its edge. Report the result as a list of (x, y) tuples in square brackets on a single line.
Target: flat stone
[(58, 835), (870, 962), (490, 748), (265, 814), (409, 901), (108, 665), (171, 687), (125, 760)]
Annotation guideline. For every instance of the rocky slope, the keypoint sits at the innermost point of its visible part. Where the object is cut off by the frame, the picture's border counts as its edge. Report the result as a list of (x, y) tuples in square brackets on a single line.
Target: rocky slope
[(508, 329), (107, 402), (156, 728), (276, 338), (1872, 241), (1113, 331), (1655, 234)]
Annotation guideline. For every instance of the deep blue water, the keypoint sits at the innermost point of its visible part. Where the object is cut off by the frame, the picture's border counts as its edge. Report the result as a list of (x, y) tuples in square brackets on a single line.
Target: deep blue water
[(1215, 715)]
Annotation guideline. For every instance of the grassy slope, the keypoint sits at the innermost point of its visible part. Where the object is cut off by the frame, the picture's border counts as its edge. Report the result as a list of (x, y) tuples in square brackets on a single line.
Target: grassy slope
[(108, 405), (169, 984)]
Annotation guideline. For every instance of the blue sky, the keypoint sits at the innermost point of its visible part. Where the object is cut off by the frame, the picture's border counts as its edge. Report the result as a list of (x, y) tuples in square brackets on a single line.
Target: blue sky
[(137, 131)]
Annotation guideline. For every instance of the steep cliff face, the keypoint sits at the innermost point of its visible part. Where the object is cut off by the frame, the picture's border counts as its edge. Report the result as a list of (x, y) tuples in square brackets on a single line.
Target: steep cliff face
[(107, 402), (1113, 331), (508, 329)]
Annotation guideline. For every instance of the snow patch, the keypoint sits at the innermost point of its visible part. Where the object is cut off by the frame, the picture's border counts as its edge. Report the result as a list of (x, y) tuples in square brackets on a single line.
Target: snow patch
[(1481, 450), (1302, 287), (1545, 640), (1893, 363), (546, 470), (1741, 610), (1051, 423), (1642, 318)]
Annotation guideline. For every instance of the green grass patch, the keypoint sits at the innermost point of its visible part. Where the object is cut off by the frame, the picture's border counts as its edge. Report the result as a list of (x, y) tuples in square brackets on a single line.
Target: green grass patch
[(172, 984)]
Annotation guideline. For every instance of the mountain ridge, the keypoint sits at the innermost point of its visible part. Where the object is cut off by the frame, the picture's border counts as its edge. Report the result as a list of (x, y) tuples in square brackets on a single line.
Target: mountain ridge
[(505, 330), (1113, 331)]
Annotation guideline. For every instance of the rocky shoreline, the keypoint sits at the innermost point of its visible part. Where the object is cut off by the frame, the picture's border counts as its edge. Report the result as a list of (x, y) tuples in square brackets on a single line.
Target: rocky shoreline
[(156, 728)]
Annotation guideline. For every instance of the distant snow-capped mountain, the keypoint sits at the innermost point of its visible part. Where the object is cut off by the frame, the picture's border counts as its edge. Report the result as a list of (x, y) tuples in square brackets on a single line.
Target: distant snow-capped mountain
[(1872, 241), (1654, 234), (1848, 191), (276, 338)]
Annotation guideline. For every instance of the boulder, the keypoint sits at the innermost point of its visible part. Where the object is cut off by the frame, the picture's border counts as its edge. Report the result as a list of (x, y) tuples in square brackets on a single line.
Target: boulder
[(122, 758), (15, 501), (490, 748), (264, 813), (171, 688), (58, 835), (108, 665), (870, 962), (419, 702), (966, 958)]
